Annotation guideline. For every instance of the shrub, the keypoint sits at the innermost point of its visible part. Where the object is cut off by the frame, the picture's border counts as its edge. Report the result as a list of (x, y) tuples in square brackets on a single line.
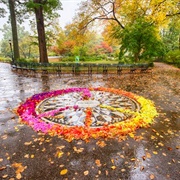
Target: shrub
[(173, 56)]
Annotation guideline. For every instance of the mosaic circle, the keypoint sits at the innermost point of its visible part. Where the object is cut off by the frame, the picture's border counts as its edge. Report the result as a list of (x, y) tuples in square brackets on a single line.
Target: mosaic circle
[(84, 113), (97, 101)]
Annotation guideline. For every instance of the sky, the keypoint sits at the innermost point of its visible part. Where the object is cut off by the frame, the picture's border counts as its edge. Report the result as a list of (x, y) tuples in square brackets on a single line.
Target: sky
[(66, 15)]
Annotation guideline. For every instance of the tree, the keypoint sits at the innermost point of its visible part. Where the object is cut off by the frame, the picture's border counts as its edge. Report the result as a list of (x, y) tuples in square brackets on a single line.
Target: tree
[(140, 41), (40, 8), (27, 47), (124, 12), (120, 15), (2, 9), (171, 35), (14, 29)]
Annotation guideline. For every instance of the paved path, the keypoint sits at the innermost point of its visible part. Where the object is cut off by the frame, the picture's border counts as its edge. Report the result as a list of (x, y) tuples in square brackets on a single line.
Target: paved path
[(155, 154)]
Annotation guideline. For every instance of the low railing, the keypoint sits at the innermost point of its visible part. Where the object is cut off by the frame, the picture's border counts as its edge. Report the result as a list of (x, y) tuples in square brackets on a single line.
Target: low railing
[(81, 68)]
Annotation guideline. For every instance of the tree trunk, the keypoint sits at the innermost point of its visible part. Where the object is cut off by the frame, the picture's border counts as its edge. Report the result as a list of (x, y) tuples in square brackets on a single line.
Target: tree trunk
[(43, 58), (14, 30)]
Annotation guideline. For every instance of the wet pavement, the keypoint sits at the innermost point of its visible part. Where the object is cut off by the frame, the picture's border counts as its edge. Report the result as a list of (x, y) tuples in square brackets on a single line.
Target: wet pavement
[(154, 153)]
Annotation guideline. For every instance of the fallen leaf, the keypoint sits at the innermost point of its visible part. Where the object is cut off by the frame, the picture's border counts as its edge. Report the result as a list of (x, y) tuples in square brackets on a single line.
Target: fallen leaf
[(26, 156), (60, 147), (19, 167), (98, 163), (78, 150), (122, 156), (4, 137), (112, 160), (169, 148), (1, 160), (155, 152), (148, 155), (5, 176), (152, 137), (101, 144), (123, 170), (113, 167), (2, 168), (142, 168), (160, 144), (151, 176), (79, 142), (18, 176), (154, 130), (164, 154), (62, 165), (86, 173), (59, 154), (63, 172), (28, 143)]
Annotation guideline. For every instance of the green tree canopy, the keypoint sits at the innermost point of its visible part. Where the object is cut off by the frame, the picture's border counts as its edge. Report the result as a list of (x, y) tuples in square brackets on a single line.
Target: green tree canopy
[(139, 41)]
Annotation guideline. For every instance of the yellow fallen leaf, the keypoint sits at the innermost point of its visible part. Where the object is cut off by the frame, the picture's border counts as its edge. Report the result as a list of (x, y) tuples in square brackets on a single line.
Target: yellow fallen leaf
[(63, 172), (155, 152), (59, 154), (1, 160), (153, 137), (113, 167), (28, 143), (86, 173)]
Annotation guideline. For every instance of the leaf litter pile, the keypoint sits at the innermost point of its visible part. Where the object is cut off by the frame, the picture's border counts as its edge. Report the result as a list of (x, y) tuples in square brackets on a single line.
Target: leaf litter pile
[(151, 153)]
